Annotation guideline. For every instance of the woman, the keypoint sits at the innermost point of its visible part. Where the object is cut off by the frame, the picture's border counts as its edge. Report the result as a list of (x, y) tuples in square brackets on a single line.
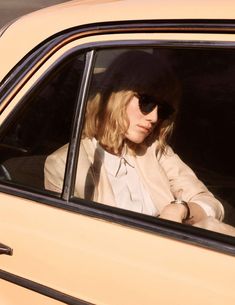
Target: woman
[(124, 159)]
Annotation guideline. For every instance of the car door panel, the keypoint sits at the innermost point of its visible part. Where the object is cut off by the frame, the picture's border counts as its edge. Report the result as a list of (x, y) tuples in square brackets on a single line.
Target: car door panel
[(95, 260)]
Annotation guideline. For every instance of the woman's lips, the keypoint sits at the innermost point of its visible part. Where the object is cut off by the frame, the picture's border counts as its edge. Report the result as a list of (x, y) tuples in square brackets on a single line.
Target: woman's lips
[(144, 128)]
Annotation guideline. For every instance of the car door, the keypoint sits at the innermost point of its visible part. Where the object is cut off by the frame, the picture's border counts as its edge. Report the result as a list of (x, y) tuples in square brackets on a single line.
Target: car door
[(74, 251)]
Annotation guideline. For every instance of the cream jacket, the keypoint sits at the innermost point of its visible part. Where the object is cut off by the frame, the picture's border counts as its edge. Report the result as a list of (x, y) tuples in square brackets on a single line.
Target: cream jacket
[(163, 177)]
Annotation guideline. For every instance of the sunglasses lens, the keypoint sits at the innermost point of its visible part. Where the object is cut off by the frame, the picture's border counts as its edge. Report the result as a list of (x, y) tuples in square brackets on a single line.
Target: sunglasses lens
[(147, 103)]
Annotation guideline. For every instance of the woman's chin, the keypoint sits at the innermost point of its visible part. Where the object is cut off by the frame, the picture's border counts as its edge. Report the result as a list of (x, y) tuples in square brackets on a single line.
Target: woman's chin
[(136, 137), (136, 140)]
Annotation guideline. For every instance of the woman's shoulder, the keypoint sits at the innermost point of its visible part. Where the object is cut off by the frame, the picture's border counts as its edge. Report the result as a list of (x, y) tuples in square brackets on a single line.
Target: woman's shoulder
[(58, 155), (154, 148), (61, 153)]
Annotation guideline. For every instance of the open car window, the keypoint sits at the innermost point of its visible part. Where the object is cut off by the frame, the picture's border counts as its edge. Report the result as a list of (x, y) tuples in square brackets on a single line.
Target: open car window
[(203, 128)]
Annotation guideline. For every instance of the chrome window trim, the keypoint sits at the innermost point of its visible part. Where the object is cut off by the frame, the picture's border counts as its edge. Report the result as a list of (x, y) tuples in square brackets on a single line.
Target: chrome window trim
[(77, 129)]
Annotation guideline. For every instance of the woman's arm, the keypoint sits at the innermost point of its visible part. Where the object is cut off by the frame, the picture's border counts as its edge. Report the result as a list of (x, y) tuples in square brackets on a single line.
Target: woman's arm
[(183, 181), (178, 212)]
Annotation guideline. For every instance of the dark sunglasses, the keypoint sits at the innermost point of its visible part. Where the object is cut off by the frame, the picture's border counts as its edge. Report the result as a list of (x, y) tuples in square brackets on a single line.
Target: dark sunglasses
[(148, 102)]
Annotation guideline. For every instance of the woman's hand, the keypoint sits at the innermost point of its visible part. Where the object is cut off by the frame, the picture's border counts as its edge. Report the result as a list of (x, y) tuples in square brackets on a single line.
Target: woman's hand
[(177, 212), (213, 224)]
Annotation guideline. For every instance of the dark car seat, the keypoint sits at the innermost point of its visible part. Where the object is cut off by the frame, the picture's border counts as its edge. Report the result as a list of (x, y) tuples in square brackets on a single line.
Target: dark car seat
[(28, 171)]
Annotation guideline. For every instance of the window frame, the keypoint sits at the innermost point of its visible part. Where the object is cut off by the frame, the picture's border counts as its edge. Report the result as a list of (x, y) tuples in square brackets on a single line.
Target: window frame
[(191, 235)]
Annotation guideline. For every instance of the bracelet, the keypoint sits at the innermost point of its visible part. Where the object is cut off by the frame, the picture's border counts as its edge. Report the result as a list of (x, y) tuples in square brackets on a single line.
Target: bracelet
[(186, 205)]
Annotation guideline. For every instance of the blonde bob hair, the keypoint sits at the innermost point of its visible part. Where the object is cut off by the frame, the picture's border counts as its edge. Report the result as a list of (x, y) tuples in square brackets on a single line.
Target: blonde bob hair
[(133, 72)]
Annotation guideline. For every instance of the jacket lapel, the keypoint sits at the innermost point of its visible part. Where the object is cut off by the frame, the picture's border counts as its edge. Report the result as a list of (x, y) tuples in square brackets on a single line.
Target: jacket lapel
[(103, 190), (154, 178)]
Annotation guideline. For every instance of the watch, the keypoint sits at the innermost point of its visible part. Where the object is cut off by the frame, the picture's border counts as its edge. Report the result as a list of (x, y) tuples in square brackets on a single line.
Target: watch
[(186, 205)]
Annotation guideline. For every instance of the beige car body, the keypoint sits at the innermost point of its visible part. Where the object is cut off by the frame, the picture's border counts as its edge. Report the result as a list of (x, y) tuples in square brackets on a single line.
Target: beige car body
[(92, 258)]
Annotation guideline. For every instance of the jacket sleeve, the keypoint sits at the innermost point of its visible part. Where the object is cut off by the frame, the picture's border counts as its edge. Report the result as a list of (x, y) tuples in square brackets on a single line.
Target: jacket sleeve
[(54, 170), (184, 181)]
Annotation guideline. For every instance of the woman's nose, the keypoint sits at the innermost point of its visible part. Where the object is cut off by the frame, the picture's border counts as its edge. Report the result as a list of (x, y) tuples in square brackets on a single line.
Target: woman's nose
[(152, 116)]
